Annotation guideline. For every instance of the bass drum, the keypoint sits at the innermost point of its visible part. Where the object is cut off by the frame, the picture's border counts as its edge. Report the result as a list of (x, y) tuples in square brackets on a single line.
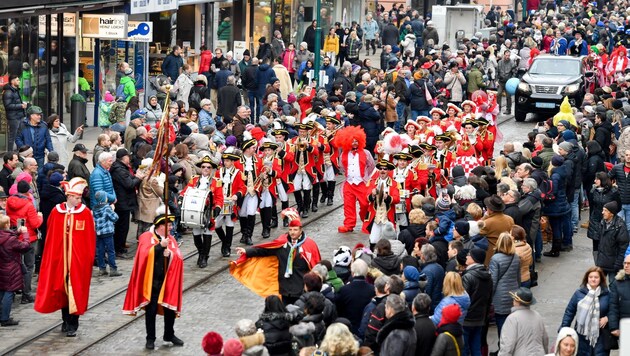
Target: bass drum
[(195, 208)]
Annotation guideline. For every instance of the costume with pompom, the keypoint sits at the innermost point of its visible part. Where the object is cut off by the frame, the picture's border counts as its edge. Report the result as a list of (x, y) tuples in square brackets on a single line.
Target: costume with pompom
[(383, 197), (357, 165), (617, 64)]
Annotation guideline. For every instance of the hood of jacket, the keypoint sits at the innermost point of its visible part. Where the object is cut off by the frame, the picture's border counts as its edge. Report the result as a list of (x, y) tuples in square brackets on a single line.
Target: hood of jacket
[(18, 204), (606, 125), (479, 271), (8, 86), (564, 332), (388, 263)]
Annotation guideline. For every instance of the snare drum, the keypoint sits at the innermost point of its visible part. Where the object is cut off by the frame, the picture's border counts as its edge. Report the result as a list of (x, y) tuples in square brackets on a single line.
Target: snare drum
[(228, 207), (195, 208), (401, 208)]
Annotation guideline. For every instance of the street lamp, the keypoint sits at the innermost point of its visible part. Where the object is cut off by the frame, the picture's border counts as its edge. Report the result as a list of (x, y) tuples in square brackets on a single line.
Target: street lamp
[(318, 39)]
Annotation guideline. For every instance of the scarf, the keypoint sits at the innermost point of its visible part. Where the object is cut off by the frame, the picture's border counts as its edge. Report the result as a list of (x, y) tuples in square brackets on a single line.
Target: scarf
[(289, 270), (587, 316)]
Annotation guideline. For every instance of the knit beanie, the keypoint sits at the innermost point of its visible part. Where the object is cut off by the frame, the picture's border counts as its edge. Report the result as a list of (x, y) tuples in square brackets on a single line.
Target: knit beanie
[(444, 204), (232, 347), (462, 227), (557, 160), (388, 232), (450, 314), (411, 273), (55, 179), (566, 146), (612, 207), (212, 343), (478, 255)]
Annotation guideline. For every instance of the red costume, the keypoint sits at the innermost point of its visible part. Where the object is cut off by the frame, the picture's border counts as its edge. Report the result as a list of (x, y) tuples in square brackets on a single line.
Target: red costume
[(391, 187), (66, 269), (141, 281)]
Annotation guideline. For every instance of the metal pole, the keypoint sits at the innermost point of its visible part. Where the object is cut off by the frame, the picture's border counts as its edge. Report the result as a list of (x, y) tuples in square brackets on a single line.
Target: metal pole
[(524, 10), (318, 39)]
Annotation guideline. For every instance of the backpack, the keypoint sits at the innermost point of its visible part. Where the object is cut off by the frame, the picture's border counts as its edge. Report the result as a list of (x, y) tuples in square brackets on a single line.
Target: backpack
[(546, 190), (194, 99), (120, 92)]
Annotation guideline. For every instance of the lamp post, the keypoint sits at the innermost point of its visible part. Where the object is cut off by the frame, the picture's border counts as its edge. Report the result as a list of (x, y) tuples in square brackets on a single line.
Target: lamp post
[(318, 39)]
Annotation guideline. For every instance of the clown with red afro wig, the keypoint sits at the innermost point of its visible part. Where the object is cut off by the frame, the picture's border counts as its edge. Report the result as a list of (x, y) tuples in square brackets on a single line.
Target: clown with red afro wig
[(346, 136)]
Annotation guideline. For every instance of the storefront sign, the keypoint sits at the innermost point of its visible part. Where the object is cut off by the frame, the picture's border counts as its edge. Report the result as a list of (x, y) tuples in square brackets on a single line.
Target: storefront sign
[(148, 6), (223, 45), (140, 31), (110, 26), (69, 24), (239, 48)]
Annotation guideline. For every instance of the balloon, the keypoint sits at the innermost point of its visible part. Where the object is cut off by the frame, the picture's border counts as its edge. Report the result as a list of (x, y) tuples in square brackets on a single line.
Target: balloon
[(478, 93), (511, 85)]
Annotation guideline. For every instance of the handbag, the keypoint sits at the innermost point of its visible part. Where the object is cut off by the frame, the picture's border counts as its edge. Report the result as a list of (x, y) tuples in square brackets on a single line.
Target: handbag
[(454, 342), (610, 341), (428, 96)]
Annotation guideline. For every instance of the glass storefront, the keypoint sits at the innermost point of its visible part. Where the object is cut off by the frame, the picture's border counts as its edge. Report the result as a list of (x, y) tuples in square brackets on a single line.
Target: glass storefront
[(304, 13)]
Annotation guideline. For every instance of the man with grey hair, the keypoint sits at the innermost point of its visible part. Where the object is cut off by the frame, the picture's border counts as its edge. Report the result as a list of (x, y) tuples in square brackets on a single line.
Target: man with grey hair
[(511, 199), (433, 272), (398, 336), (228, 99), (530, 206), (354, 296), (142, 137), (393, 286), (100, 179), (425, 329)]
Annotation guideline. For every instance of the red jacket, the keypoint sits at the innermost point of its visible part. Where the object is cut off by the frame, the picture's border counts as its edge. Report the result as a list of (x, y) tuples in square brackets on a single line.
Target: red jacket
[(21, 207), (204, 61)]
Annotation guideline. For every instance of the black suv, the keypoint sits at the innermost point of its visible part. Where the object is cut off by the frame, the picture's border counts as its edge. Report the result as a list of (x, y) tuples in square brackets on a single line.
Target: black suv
[(547, 81)]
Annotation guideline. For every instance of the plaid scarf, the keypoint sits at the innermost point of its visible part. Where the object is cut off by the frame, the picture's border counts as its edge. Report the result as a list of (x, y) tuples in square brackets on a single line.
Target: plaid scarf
[(587, 316), (294, 248)]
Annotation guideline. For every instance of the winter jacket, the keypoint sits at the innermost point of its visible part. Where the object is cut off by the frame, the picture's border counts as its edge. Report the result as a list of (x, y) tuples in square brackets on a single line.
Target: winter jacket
[(125, 185), (331, 44), (11, 250), (444, 345), (530, 207), (619, 300), (370, 29), (594, 164), (425, 335), (330, 311), (311, 329), (613, 242), (228, 100), (408, 44), (330, 72), (101, 179), (77, 168), (129, 87), (506, 69), (523, 333), (388, 264), (411, 290), (455, 84), (623, 182), (401, 89), (524, 252), (37, 137), (571, 309), (50, 196), (513, 210), (475, 80), (397, 337), (171, 65), (370, 121), (477, 282), (431, 33), (263, 77), (372, 321), (104, 219), (506, 277), (275, 326), (204, 61), (578, 157), (150, 194), (598, 198), (224, 32), (60, 139), (12, 103), (433, 273), (205, 119), (352, 299), (264, 52), (417, 91), (410, 234), (462, 300), (220, 78), (559, 206), (603, 136), (21, 207), (390, 35), (300, 57), (354, 47)]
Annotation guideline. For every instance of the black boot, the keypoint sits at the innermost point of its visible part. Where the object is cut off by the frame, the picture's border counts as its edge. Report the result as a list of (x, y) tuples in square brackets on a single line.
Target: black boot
[(265, 218), (229, 232), (315, 197), (324, 188), (199, 246), (285, 221), (243, 222), (330, 193), (298, 201), (307, 203), (274, 217), (207, 243), (251, 222), (221, 235)]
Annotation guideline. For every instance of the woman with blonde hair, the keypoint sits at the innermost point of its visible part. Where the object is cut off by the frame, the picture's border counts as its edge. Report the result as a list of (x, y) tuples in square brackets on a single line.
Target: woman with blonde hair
[(415, 229), (501, 168), (524, 252), (505, 268), (339, 341), (454, 293), (331, 45)]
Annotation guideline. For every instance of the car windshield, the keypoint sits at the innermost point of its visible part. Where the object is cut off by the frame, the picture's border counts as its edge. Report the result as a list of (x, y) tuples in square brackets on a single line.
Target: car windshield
[(554, 66)]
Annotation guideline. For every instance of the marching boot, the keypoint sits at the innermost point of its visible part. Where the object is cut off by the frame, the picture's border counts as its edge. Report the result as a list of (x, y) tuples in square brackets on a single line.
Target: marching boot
[(285, 221), (265, 218), (324, 188), (251, 221), (207, 243), (243, 222), (199, 246), (274, 217), (307, 203), (229, 232), (315, 197), (221, 235), (330, 193), (298, 201)]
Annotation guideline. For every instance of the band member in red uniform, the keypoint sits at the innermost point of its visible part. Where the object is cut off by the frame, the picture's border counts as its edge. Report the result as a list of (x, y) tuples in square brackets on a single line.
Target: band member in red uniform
[(424, 132), (330, 161), (66, 269), (317, 137), (436, 116), (443, 156), (279, 266), (284, 162), (429, 173), (453, 117), (469, 137), (305, 151), (382, 198), (231, 182), (469, 110), (357, 164), (157, 280), (411, 131), (407, 181), (202, 236), (487, 140), (266, 187), (250, 166)]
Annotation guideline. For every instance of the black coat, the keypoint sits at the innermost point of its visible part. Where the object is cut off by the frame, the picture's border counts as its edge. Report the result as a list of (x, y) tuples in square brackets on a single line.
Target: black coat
[(77, 168), (49, 197), (12, 103), (613, 242), (623, 182), (370, 120), (478, 284), (599, 197), (264, 52), (514, 211), (275, 326), (594, 163), (409, 235), (330, 311), (388, 264), (352, 299), (390, 35), (398, 335), (309, 38), (418, 96), (6, 180), (125, 185), (228, 100), (204, 93), (619, 300), (249, 78), (425, 335), (602, 136)]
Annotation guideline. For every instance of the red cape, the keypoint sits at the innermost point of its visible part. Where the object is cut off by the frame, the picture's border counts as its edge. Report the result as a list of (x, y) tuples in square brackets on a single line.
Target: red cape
[(141, 281), (260, 274), (67, 253)]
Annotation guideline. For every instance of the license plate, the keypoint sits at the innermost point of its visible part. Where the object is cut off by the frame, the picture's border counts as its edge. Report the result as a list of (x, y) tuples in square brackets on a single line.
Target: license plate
[(546, 105)]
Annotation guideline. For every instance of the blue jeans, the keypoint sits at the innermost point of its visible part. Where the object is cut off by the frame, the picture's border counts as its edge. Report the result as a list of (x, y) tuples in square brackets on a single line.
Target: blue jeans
[(500, 319), (105, 244), (585, 349), (625, 214), (255, 104), (575, 209), (538, 244), (567, 230), (6, 298), (400, 111), (472, 340)]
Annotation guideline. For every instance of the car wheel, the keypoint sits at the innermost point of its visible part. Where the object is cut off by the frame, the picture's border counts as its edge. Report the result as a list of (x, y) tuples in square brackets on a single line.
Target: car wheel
[(520, 116)]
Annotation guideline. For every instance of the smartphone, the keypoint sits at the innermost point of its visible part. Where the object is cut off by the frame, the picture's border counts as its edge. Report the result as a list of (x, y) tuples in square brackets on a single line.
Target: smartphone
[(21, 222)]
